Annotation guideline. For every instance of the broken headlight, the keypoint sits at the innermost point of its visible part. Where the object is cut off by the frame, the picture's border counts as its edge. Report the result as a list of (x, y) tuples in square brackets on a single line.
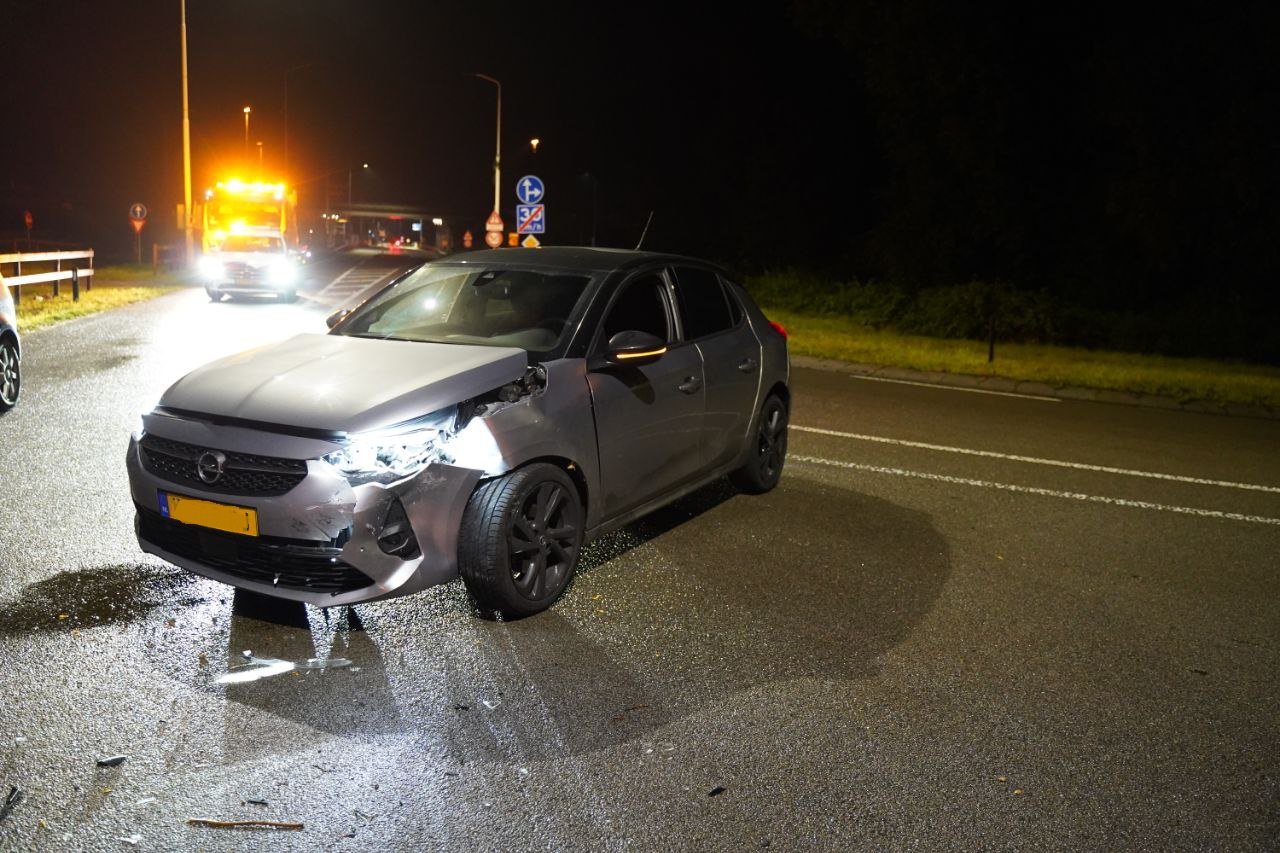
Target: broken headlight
[(392, 454)]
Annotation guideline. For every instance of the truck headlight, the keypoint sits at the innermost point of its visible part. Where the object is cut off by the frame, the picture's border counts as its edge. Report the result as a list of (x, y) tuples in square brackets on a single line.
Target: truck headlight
[(282, 273), (393, 454)]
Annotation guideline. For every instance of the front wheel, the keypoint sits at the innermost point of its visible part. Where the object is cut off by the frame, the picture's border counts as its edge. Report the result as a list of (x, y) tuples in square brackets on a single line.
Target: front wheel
[(289, 296), (10, 375), (520, 538), (215, 295), (768, 452)]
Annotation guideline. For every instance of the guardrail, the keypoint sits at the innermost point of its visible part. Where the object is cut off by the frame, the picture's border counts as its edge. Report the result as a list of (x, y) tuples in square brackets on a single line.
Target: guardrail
[(55, 276)]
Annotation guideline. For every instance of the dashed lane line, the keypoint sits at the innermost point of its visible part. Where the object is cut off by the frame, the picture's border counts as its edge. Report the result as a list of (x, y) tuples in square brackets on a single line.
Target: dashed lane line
[(1035, 460), (956, 388), (1032, 490)]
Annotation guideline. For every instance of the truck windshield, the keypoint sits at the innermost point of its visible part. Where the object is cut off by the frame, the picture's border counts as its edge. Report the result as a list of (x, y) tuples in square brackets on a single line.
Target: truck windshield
[(494, 307), (249, 243)]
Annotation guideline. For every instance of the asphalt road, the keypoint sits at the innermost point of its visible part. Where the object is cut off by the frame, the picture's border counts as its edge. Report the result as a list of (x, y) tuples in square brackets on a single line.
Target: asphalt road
[(933, 634)]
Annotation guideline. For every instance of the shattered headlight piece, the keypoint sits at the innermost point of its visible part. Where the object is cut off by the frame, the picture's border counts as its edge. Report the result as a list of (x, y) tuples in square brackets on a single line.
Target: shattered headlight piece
[(391, 454)]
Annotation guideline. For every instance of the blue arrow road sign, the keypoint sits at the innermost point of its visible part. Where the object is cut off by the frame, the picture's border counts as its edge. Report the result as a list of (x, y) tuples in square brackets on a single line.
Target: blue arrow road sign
[(530, 190), (531, 219), (137, 210)]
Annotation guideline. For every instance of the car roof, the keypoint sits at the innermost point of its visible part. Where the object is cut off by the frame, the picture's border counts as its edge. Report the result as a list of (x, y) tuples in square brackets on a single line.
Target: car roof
[(583, 258)]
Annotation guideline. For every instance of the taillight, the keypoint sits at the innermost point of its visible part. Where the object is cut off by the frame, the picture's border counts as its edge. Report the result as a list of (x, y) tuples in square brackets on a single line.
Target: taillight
[(779, 328)]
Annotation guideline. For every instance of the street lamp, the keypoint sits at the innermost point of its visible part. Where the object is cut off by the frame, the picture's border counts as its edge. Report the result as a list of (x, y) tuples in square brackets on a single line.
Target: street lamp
[(246, 130), (497, 146), (363, 166), (533, 144), (259, 159), (186, 145)]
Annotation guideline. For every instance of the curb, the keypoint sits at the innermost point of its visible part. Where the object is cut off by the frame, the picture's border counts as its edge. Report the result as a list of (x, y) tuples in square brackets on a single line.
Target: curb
[(1039, 389)]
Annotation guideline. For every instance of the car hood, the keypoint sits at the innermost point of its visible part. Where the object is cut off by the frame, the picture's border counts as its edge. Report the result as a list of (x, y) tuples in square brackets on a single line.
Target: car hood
[(343, 384), (253, 259)]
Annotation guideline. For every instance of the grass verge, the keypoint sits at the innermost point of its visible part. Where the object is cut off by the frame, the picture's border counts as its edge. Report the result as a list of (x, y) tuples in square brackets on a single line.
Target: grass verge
[(1182, 378), (40, 308)]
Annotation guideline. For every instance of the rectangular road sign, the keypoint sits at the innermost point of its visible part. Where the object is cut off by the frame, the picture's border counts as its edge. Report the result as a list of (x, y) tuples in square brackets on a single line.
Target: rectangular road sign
[(531, 218)]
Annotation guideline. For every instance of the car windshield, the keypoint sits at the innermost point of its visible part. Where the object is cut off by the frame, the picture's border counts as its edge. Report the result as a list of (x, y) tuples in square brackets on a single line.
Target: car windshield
[(496, 306), (247, 243)]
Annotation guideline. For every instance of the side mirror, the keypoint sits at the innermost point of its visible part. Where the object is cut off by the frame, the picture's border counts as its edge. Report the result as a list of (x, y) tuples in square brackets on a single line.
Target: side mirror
[(635, 348), (336, 317)]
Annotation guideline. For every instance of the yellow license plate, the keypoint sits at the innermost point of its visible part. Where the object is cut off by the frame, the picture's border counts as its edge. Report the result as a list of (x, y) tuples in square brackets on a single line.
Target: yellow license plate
[(216, 516)]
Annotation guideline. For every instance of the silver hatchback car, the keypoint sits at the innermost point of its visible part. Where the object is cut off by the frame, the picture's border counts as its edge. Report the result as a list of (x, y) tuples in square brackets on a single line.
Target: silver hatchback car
[(484, 415)]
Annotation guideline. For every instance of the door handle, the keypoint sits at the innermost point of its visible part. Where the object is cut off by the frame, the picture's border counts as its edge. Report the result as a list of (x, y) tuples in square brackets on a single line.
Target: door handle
[(747, 365), (690, 385)]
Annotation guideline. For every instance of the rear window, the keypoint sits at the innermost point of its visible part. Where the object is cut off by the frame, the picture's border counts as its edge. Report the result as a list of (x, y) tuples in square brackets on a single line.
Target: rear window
[(704, 309)]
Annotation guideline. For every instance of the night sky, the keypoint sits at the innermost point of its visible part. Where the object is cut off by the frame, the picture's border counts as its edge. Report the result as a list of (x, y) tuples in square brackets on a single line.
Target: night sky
[(666, 108), (1126, 155)]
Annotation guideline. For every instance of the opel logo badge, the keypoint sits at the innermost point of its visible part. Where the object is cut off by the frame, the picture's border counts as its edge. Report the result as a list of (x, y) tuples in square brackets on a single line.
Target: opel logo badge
[(209, 466)]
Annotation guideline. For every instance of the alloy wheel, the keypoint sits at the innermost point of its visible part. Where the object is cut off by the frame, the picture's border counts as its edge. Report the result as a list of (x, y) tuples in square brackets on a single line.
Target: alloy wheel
[(10, 375), (772, 440), (543, 540)]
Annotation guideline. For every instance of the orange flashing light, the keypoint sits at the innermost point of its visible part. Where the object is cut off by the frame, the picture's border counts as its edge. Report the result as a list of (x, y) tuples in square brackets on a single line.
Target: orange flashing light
[(645, 354)]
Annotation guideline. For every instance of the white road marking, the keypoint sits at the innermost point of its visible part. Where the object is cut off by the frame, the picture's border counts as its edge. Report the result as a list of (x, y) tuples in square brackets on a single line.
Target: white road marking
[(1129, 472), (356, 280), (956, 388), (1032, 490)]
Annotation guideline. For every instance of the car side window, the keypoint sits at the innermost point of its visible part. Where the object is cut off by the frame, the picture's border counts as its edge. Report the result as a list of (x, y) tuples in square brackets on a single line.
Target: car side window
[(641, 308), (703, 306)]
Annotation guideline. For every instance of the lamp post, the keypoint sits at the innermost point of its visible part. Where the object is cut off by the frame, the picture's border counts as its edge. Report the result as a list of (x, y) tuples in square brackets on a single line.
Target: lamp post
[(259, 160), (186, 146), (497, 146), (363, 166), (247, 110)]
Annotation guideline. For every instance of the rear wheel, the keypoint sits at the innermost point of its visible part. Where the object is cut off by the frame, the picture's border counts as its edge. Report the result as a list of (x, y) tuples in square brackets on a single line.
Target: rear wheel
[(763, 467), (215, 295), (10, 375), (520, 539)]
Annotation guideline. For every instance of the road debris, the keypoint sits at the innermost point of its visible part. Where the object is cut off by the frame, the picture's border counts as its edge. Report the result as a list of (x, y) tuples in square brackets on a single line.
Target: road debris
[(489, 705), (254, 802), (237, 824), (131, 840), (113, 761), (11, 801), (623, 715), (204, 660), (145, 801), (716, 791), (259, 668)]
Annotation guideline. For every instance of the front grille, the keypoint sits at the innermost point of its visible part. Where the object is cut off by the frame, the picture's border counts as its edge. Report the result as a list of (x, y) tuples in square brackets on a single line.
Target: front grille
[(243, 473), (288, 563), (242, 272)]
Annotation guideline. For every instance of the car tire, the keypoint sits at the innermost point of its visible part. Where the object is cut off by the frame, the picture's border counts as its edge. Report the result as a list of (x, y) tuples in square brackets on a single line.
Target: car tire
[(768, 452), (215, 295), (289, 296), (10, 375), (520, 539)]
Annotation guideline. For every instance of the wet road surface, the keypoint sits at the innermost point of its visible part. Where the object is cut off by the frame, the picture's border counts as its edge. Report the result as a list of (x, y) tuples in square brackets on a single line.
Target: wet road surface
[(933, 633)]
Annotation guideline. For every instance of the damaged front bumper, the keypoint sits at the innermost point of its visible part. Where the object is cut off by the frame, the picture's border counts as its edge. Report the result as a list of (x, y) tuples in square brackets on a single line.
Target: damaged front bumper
[(319, 542)]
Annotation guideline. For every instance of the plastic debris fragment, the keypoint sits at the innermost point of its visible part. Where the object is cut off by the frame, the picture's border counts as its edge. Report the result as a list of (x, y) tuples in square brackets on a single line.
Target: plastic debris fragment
[(113, 761), (716, 791), (131, 840), (11, 801), (259, 668), (233, 824)]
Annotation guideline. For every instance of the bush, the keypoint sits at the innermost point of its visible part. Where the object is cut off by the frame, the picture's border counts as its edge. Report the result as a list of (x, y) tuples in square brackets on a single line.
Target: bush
[(1194, 327)]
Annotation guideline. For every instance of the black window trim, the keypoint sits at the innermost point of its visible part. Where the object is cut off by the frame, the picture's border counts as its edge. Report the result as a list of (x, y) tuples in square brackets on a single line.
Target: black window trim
[(724, 294), (598, 344)]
